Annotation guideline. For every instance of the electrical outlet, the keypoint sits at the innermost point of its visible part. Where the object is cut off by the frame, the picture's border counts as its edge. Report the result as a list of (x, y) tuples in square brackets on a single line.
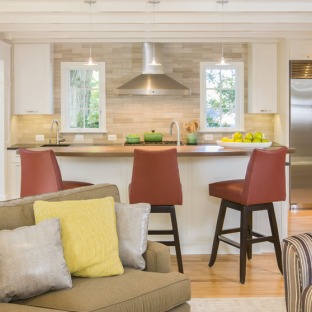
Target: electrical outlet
[(112, 137), (79, 137), (39, 137), (208, 137)]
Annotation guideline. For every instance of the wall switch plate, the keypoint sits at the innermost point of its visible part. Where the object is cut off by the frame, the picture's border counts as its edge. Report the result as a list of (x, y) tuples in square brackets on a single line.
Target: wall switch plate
[(79, 137), (208, 137), (112, 137), (39, 137)]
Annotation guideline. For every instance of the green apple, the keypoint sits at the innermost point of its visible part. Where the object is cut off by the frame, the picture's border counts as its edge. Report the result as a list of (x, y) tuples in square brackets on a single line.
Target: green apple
[(237, 136), (258, 135), (248, 136)]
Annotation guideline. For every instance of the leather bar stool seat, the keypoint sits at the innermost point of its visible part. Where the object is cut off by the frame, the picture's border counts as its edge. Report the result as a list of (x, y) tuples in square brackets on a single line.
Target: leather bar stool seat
[(40, 173), (155, 180), (264, 184)]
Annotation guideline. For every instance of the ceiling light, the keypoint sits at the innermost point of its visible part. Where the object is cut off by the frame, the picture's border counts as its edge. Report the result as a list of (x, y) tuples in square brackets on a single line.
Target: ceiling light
[(90, 61), (154, 61), (222, 61)]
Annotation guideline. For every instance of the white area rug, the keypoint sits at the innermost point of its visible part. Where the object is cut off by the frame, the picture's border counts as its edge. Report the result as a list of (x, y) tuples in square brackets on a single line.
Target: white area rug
[(260, 304)]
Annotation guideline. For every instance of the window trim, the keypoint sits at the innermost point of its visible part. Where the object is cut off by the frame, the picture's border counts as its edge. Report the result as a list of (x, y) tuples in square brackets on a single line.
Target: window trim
[(239, 66), (65, 67)]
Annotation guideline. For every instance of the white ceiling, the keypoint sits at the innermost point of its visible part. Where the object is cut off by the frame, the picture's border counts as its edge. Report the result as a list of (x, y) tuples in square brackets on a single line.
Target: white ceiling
[(174, 20)]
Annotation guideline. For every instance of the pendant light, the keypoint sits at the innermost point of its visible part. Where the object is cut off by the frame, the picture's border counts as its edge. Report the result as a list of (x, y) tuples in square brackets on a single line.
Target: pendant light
[(90, 61), (154, 62), (222, 61)]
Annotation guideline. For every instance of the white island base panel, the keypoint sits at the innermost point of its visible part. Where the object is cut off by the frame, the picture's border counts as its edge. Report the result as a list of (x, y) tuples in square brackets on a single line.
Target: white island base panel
[(198, 215)]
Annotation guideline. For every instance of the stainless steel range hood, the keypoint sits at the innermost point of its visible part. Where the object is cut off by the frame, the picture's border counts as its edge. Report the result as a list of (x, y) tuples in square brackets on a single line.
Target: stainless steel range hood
[(153, 80)]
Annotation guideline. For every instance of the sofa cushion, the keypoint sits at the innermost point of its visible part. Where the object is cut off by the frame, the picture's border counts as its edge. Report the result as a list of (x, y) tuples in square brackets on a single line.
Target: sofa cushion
[(135, 290), (19, 212), (10, 307), (32, 261), (89, 234), (132, 228)]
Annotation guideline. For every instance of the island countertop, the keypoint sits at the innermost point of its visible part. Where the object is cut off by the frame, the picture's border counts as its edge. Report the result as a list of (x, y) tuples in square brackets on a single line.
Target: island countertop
[(127, 151)]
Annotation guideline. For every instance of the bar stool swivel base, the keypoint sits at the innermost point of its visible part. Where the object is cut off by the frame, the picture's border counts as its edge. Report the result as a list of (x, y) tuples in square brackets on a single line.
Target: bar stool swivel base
[(247, 235)]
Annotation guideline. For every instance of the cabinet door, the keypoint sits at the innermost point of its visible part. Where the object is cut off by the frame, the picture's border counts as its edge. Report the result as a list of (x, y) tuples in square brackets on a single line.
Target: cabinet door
[(262, 78), (33, 81), (300, 50)]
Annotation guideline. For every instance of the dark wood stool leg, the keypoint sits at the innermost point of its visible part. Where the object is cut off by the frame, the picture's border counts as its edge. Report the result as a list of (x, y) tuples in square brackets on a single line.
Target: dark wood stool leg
[(218, 231), (243, 243), (249, 235), (176, 238), (276, 241)]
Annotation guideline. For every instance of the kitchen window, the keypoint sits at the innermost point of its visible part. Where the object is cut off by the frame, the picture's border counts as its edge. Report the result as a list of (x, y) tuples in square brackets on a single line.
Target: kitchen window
[(221, 97), (83, 107)]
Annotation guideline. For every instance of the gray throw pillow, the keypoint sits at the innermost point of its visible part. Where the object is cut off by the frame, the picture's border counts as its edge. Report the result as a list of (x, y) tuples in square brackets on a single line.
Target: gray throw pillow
[(132, 228), (32, 261)]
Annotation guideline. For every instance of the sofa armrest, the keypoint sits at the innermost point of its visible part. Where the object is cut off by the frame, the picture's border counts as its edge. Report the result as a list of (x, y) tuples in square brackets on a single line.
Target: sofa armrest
[(297, 259), (157, 257), (306, 299)]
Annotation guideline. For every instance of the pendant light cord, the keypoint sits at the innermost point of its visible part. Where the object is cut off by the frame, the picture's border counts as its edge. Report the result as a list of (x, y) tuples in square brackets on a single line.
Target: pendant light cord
[(222, 62), (154, 61), (222, 28), (90, 2), (90, 54)]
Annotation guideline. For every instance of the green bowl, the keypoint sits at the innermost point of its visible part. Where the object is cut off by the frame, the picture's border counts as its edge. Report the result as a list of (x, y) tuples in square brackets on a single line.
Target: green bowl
[(132, 138)]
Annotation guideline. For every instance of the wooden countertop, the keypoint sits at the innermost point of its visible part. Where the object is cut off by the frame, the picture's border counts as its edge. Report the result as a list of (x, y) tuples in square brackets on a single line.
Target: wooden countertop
[(127, 151)]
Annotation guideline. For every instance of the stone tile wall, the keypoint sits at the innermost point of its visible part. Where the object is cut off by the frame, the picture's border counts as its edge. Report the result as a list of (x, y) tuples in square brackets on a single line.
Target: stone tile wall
[(137, 114)]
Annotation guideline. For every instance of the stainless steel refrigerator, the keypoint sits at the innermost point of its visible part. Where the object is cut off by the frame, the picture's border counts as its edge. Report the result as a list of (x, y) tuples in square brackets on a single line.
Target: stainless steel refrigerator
[(301, 134)]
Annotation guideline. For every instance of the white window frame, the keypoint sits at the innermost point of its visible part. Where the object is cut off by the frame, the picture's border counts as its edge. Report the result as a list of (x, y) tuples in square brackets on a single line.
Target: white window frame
[(239, 96), (65, 80)]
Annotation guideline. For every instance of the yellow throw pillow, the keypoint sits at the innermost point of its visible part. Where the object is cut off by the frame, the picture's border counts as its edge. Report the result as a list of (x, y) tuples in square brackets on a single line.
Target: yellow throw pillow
[(89, 234)]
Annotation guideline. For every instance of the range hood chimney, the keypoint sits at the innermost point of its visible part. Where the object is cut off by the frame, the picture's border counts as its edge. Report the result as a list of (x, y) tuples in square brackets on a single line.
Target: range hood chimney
[(153, 80)]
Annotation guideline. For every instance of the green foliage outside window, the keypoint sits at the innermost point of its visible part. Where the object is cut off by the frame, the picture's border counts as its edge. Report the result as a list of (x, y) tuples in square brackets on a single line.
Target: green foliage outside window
[(220, 98), (84, 108)]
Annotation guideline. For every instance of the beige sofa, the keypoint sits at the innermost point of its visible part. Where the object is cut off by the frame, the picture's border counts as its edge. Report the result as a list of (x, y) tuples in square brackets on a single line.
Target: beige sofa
[(155, 289)]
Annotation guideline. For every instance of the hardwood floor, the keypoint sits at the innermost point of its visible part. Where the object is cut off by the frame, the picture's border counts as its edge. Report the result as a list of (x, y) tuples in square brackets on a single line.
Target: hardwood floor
[(263, 278)]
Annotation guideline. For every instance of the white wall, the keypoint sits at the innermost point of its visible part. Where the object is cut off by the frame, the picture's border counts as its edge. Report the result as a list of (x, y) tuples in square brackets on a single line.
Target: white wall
[(5, 104)]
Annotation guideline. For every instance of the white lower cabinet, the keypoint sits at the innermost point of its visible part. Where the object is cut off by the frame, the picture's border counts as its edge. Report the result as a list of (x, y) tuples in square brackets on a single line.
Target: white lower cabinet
[(14, 178), (196, 217)]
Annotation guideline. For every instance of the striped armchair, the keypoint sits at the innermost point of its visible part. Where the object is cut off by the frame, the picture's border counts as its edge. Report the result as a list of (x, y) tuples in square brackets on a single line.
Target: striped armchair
[(297, 263)]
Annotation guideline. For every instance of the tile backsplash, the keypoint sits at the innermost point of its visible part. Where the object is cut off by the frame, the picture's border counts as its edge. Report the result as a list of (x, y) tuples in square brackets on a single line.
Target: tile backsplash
[(138, 114)]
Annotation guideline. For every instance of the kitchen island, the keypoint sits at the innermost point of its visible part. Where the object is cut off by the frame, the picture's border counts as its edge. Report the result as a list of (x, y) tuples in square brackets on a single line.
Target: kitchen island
[(199, 165)]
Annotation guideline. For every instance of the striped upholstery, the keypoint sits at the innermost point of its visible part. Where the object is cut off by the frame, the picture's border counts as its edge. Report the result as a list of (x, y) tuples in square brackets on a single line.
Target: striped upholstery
[(297, 263)]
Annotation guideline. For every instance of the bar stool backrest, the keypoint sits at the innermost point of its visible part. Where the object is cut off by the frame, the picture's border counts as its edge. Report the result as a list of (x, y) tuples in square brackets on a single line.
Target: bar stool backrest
[(40, 172), (155, 178), (265, 177)]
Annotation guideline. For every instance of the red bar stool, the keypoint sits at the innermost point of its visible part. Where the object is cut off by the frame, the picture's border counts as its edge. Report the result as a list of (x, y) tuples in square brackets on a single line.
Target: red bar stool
[(156, 180), (40, 173), (264, 184)]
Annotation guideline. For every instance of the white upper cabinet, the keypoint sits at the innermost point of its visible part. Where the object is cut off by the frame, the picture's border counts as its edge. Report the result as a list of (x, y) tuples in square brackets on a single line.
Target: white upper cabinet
[(33, 79), (262, 78), (300, 50)]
